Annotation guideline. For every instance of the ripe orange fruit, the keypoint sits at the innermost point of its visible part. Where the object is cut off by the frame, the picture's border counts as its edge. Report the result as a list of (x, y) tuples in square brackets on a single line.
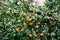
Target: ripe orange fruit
[(17, 29), (25, 0), (24, 24)]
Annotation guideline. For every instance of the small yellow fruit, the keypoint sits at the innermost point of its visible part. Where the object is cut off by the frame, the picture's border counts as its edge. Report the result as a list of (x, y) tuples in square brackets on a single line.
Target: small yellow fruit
[(19, 21), (30, 35), (33, 17), (22, 30), (24, 24), (38, 23), (41, 34), (31, 9), (29, 19), (17, 29), (32, 29), (48, 18), (45, 24), (36, 15), (54, 22), (34, 32), (28, 16), (31, 24)]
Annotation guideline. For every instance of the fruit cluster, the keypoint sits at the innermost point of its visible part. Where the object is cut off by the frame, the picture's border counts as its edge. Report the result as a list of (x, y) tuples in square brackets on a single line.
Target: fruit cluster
[(21, 20)]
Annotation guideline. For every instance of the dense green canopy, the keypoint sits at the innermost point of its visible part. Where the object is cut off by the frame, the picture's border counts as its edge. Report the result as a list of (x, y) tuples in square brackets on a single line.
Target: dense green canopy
[(22, 20)]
